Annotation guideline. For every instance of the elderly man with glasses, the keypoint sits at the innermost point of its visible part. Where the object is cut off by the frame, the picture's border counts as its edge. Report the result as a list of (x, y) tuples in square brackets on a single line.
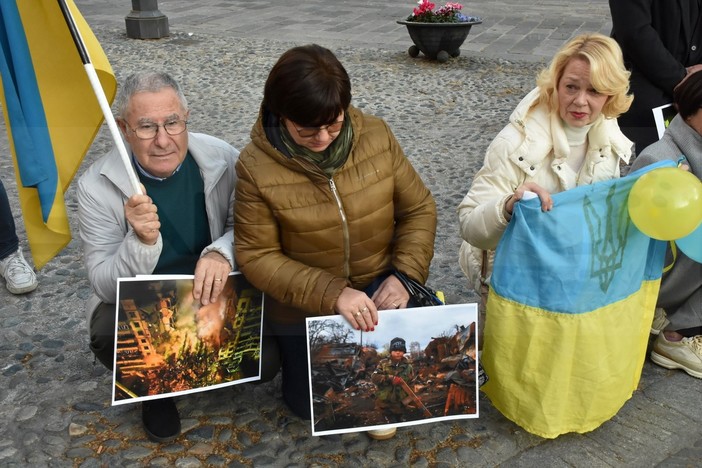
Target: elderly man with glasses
[(181, 224)]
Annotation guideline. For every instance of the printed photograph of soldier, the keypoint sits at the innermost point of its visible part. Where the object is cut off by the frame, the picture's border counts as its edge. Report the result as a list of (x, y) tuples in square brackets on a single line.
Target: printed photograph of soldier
[(408, 371), (394, 397)]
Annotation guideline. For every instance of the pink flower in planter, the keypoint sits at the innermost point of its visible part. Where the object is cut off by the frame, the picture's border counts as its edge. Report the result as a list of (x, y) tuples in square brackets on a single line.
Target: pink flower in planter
[(449, 13), (425, 7)]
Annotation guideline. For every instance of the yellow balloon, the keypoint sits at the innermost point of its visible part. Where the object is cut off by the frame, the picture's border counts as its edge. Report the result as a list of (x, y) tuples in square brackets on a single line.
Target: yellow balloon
[(666, 203)]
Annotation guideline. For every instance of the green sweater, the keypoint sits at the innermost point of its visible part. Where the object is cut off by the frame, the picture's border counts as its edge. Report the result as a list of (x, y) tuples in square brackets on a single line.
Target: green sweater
[(180, 199)]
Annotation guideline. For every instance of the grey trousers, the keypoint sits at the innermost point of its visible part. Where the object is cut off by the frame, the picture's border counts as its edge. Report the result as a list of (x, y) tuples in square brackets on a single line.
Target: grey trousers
[(681, 292)]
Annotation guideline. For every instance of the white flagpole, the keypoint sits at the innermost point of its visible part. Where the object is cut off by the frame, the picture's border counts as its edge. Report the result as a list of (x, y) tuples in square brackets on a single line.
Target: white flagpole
[(100, 95)]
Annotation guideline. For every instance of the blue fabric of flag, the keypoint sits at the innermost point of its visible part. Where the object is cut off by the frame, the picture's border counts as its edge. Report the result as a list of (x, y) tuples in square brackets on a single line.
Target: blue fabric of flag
[(34, 154), (49, 109), (573, 256)]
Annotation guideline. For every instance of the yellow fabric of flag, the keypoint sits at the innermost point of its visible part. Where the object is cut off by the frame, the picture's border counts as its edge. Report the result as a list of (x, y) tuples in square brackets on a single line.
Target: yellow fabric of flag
[(581, 382), (50, 110)]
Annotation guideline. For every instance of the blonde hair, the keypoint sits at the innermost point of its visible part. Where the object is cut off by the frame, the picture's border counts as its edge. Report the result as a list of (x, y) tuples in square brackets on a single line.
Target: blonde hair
[(608, 74)]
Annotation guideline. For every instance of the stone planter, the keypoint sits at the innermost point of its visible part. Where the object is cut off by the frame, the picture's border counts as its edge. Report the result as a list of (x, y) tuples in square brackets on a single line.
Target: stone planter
[(438, 41)]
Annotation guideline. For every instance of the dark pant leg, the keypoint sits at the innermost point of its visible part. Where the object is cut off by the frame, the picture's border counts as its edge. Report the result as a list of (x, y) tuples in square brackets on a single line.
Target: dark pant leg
[(292, 342), (102, 334), (8, 234), (681, 294), (270, 357)]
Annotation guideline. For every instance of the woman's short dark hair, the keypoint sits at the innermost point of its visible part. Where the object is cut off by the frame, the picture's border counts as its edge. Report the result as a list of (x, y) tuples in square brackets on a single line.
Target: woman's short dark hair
[(308, 85), (688, 96)]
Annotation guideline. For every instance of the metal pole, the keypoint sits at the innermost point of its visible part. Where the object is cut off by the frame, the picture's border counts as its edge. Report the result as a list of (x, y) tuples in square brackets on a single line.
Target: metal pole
[(145, 21), (100, 95)]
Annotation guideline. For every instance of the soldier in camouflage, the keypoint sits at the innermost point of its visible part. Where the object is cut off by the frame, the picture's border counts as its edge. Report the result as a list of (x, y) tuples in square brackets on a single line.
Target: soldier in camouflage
[(388, 376)]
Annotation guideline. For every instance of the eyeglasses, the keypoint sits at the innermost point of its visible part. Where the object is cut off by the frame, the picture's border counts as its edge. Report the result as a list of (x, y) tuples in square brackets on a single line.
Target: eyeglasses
[(309, 132), (148, 131)]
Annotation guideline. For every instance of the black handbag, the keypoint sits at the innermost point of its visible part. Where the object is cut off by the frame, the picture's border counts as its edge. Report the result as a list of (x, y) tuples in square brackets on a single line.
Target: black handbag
[(420, 294)]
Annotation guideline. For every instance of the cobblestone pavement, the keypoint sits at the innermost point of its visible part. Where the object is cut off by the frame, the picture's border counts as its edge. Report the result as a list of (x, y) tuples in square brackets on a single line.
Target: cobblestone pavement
[(529, 30), (55, 400)]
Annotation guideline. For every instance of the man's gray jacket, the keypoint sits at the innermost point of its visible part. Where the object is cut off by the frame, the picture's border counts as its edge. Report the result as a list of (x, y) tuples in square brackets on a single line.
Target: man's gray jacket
[(111, 249)]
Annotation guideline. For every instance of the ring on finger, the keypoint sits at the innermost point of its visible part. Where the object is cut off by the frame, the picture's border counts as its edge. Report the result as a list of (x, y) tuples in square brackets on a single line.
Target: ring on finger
[(218, 279), (395, 306), (357, 314), (365, 309)]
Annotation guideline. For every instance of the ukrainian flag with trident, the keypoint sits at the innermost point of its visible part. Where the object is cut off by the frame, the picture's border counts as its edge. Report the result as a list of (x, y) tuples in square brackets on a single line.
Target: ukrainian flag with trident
[(572, 298)]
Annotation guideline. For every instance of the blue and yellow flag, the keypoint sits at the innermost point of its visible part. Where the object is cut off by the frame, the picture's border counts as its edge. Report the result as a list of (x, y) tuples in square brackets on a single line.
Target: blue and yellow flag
[(569, 312), (50, 110)]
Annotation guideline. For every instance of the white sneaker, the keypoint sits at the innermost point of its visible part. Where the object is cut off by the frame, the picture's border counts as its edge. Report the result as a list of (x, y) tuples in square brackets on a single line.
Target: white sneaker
[(685, 354), (660, 321), (19, 276), (382, 434)]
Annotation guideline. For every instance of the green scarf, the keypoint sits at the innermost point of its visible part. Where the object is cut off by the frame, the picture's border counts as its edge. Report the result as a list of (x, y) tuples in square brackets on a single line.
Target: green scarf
[(332, 158)]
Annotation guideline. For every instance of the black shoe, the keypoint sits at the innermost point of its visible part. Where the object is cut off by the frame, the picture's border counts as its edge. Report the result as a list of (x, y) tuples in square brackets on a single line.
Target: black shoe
[(161, 419)]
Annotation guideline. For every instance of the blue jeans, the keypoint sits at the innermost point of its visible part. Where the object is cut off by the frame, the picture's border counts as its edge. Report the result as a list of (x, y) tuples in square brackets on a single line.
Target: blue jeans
[(8, 235)]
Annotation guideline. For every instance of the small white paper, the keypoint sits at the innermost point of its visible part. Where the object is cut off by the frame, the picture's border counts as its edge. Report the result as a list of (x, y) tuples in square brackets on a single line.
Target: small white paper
[(662, 116)]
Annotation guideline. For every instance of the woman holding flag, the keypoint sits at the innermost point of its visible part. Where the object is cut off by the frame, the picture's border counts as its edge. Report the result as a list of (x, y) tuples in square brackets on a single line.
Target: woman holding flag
[(563, 135)]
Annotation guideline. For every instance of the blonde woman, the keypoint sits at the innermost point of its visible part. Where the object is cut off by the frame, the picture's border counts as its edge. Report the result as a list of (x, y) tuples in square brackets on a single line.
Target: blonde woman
[(563, 134)]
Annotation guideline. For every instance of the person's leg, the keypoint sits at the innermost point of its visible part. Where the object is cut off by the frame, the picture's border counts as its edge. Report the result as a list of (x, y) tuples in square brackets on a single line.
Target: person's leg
[(269, 360), (102, 334), (680, 295), (292, 342), (270, 354), (673, 350), (160, 417), (679, 345), (687, 315), (642, 136), (8, 234), (382, 408), (19, 276), (638, 123)]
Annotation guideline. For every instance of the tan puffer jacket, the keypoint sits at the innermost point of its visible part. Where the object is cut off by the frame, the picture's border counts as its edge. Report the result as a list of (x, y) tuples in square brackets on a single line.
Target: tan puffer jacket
[(302, 238)]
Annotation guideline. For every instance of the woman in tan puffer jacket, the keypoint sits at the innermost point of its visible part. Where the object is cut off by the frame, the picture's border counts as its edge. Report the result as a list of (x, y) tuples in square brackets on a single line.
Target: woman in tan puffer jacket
[(327, 208)]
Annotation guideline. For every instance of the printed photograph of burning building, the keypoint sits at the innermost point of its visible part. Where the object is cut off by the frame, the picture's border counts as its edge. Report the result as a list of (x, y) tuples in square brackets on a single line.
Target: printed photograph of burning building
[(418, 366), (168, 344)]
